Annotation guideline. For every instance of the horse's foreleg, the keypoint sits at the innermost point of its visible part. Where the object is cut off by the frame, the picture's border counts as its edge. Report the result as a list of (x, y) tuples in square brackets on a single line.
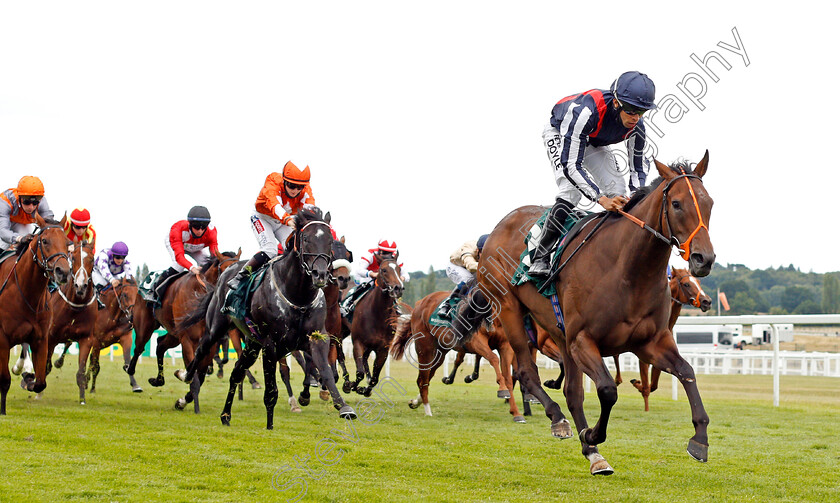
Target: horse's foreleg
[(618, 379), (320, 350), (164, 343), (459, 359), (504, 363), (40, 357), (358, 356), (474, 376), (588, 358), (125, 342), (5, 378), (287, 381), (643, 384), (666, 358), (270, 393), (482, 349), (249, 356), (60, 362), (144, 326), (94, 366), (81, 379), (378, 363)]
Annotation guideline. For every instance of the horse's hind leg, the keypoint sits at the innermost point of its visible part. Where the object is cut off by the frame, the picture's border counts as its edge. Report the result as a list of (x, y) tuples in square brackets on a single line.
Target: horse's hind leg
[(643, 384), (164, 343), (270, 394), (511, 320), (474, 376), (666, 358), (381, 356), (81, 379), (249, 356), (5, 378), (618, 379), (60, 362), (144, 326), (93, 366)]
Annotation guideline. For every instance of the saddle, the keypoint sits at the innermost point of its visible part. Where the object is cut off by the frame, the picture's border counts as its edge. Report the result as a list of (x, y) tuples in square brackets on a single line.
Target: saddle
[(238, 302), (153, 293), (575, 222)]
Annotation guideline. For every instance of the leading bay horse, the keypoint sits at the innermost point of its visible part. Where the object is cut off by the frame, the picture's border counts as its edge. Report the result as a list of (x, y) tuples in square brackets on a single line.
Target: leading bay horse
[(612, 298), (287, 313), (24, 309)]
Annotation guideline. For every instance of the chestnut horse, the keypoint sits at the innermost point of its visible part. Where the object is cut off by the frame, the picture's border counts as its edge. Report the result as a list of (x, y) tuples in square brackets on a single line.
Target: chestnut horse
[(685, 290), (24, 310), (431, 343), (611, 298), (372, 328), (74, 310)]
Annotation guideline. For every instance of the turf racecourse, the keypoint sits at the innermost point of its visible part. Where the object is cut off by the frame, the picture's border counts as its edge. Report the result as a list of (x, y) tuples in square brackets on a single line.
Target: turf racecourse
[(136, 447)]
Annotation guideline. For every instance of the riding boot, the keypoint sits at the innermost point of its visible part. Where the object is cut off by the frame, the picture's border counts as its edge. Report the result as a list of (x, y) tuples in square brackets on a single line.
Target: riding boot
[(257, 261), (160, 282), (99, 304), (443, 312), (551, 231)]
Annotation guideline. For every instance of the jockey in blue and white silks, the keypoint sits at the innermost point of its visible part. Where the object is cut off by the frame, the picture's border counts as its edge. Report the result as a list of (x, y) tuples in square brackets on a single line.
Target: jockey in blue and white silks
[(577, 139)]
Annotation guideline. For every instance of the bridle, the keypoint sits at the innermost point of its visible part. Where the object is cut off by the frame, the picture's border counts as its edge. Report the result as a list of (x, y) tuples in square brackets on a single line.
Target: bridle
[(307, 268), (89, 283), (693, 301), (44, 262), (672, 240), (385, 287)]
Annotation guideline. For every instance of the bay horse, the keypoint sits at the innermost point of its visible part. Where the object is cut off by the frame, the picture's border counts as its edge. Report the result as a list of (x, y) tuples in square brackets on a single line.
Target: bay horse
[(74, 311), (373, 325), (24, 307), (288, 312), (432, 343), (612, 297)]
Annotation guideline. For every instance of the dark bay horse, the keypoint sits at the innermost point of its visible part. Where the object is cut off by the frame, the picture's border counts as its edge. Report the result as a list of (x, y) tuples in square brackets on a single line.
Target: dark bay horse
[(74, 310), (612, 294), (179, 300), (432, 343), (24, 309), (288, 312), (373, 325)]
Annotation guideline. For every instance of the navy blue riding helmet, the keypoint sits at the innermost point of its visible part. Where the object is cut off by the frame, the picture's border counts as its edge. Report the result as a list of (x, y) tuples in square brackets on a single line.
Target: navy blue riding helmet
[(481, 241), (635, 88)]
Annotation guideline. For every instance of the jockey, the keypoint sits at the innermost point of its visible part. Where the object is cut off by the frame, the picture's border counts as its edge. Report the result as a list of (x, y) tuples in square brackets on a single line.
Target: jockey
[(17, 210), (368, 268), (111, 265), (78, 228), (576, 140), (461, 270), (191, 237), (273, 218)]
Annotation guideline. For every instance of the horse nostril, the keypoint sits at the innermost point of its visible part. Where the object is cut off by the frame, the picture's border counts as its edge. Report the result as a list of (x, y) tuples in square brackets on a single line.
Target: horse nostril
[(698, 258)]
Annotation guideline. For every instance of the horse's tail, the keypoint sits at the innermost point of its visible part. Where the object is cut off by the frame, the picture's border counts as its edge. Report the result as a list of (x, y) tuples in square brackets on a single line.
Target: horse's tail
[(402, 333), (198, 314), (476, 309)]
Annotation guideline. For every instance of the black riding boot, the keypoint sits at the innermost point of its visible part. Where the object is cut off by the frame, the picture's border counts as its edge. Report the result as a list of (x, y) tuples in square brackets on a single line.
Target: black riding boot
[(254, 264), (551, 231), (443, 312), (99, 305), (160, 281)]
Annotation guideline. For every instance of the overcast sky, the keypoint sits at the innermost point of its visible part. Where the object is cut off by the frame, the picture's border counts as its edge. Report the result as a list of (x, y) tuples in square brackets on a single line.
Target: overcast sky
[(421, 121)]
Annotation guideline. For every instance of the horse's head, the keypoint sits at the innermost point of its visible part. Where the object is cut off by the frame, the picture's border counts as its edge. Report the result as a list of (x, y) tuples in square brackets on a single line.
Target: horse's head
[(215, 267), (126, 295), (388, 278), (49, 249), (686, 209), (313, 245), (686, 289), (340, 268), (81, 268)]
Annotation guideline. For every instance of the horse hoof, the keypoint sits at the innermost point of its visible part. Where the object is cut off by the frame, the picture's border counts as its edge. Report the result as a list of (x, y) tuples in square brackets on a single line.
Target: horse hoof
[(519, 419), (368, 391), (413, 404), (324, 395), (225, 419), (255, 385), (446, 380), (80, 403), (503, 393), (598, 465), (531, 398), (562, 429), (157, 382), (128, 370), (304, 401), (220, 374), (293, 405), (180, 404), (17, 368), (137, 389), (58, 364), (346, 412), (551, 384), (468, 379), (698, 451), (347, 388), (181, 375)]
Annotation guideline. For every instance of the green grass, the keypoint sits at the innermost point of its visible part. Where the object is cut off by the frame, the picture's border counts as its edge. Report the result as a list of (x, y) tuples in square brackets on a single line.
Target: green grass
[(136, 447)]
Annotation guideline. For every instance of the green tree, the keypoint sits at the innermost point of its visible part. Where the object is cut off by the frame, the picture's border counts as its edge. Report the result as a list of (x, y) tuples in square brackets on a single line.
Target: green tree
[(808, 306), (741, 303), (795, 295), (831, 294)]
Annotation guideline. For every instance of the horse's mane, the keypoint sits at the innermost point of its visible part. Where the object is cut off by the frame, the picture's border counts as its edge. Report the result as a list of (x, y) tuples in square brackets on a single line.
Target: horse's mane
[(215, 261), (303, 217), (679, 166)]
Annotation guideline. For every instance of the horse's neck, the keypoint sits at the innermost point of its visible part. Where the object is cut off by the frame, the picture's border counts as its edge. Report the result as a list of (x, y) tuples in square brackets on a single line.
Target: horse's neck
[(380, 300), (648, 256), (212, 274), (30, 278), (296, 284)]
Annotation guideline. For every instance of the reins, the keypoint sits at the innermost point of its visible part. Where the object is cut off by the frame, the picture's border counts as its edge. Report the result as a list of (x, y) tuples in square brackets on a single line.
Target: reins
[(43, 265)]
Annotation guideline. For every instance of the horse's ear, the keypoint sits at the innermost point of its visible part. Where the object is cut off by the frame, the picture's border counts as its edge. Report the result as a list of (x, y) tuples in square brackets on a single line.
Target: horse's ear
[(701, 167), (664, 171), (40, 220), (63, 219), (342, 240), (238, 253), (327, 217)]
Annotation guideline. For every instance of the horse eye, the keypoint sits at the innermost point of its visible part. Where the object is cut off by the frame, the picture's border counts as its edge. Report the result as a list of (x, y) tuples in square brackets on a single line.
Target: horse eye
[(675, 204)]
